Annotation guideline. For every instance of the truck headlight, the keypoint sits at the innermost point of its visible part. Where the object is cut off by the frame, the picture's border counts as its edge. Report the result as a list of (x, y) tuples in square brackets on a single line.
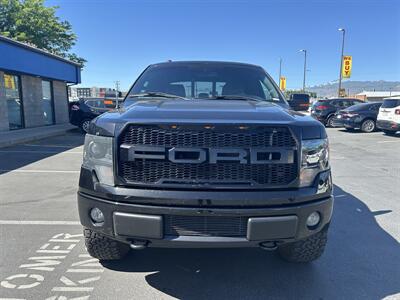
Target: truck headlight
[(315, 159), (98, 157)]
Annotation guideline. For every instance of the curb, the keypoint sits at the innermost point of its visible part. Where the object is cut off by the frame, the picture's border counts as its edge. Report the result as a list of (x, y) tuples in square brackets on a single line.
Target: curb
[(11, 138)]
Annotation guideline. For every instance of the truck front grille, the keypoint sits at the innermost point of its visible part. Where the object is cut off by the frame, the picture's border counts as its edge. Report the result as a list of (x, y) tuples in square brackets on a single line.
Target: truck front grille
[(222, 174), (205, 226)]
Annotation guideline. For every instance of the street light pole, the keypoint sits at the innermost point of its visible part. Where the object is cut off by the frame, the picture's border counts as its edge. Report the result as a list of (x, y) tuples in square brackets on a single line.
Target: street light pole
[(116, 93), (280, 71), (341, 60), (305, 68)]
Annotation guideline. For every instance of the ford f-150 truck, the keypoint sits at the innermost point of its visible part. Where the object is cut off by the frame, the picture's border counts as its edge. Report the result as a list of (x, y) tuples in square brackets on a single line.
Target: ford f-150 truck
[(205, 154)]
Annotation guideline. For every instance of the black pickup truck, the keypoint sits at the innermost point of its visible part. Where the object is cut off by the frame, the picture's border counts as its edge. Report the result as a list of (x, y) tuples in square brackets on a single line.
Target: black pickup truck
[(207, 154)]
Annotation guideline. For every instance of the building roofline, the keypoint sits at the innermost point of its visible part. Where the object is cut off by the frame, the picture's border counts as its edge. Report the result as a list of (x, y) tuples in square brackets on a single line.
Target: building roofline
[(40, 51), (378, 93)]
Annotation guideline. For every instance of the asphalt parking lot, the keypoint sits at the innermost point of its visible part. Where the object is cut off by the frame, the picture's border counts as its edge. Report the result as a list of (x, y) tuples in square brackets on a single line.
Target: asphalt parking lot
[(42, 253)]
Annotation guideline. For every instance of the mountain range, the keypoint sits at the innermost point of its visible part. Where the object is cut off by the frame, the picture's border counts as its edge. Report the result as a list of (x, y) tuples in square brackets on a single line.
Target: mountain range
[(354, 87)]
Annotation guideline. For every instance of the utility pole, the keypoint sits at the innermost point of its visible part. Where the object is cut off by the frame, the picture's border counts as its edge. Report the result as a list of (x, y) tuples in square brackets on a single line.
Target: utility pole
[(116, 93), (305, 68), (341, 60), (280, 71)]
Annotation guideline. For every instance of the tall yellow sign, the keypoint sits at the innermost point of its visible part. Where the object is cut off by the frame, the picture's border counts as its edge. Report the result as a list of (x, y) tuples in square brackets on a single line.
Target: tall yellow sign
[(347, 64), (282, 83)]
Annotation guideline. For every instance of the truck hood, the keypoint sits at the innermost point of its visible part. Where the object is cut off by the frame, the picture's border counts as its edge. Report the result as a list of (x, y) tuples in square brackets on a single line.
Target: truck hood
[(158, 111)]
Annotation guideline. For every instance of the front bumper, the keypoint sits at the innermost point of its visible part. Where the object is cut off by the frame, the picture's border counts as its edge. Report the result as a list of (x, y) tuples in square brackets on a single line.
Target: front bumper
[(388, 125), (319, 117), (129, 222), (347, 122), (337, 122)]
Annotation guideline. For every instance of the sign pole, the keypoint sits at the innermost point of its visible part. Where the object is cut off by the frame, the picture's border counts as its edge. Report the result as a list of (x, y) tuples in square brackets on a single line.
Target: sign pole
[(341, 62)]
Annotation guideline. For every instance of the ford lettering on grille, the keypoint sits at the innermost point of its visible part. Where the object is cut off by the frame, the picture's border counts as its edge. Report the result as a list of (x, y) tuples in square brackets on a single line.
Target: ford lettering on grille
[(207, 155)]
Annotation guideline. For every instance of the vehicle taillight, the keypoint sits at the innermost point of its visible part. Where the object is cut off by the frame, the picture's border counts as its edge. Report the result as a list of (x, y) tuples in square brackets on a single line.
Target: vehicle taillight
[(74, 107), (321, 107), (397, 111)]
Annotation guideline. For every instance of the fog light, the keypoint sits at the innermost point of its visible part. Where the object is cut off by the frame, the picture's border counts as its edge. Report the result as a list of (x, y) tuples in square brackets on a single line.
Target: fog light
[(313, 219), (96, 215)]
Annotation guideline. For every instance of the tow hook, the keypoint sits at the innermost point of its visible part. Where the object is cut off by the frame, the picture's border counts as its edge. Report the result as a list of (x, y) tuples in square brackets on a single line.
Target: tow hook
[(269, 246), (138, 244)]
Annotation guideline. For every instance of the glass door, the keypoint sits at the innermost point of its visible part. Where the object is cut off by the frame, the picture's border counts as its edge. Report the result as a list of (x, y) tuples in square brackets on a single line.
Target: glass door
[(47, 102), (14, 101)]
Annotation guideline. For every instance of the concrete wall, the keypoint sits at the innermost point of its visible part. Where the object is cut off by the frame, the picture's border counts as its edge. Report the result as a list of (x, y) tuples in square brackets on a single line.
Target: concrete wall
[(32, 101), (3, 105), (60, 102)]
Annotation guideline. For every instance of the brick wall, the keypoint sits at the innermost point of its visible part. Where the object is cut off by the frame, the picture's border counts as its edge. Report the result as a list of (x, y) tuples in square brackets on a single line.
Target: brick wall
[(32, 101), (60, 102)]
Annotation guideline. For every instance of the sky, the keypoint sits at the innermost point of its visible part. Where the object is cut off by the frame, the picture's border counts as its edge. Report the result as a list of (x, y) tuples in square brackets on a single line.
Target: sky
[(119, 38)]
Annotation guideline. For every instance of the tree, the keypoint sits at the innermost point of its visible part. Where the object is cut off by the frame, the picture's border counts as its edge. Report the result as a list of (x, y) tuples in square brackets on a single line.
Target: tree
[(31, 22)]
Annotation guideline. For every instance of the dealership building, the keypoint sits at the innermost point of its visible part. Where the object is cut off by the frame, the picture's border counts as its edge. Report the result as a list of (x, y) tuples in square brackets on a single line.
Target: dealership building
[(33, 86)]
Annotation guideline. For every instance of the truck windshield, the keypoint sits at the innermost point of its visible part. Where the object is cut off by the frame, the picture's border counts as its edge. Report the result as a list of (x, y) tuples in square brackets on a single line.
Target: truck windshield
[(207, 81)]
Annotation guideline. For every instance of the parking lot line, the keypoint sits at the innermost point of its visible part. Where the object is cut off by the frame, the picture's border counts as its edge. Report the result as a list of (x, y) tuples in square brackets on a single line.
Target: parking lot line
[(38, 171), (50, 146), (383, 142), (40, 151), (19, 222)]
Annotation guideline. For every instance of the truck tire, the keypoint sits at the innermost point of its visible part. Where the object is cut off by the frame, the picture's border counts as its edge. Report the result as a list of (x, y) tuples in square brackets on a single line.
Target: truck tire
[(103, 248), (306, 250)]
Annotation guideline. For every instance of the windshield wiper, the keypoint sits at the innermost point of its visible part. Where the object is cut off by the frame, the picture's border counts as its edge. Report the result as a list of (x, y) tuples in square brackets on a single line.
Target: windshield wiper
[(157, 94), (236, 97)]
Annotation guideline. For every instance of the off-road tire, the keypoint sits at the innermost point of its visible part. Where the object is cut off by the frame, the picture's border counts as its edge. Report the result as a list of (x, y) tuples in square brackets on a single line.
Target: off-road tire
[(306, 250), (103, 248)]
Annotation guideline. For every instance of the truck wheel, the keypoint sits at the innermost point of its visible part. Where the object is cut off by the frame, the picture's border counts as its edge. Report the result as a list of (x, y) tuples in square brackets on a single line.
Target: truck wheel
[(101, 247), (306, 250)]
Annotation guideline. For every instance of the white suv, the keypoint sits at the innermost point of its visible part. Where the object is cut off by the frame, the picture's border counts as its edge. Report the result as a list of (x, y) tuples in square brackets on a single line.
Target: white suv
[(389, 116)]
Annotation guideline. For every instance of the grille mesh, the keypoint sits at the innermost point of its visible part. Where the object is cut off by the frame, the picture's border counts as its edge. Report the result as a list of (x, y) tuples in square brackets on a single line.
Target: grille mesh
[(205, 226), (224, 137), (229, 173), (152, 171)]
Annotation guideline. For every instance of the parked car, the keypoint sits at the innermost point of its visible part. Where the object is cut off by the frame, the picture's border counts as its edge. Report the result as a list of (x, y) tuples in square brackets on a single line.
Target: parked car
[(299, 102), (389, 116), (360, 116), (324, 110), (85, 110)]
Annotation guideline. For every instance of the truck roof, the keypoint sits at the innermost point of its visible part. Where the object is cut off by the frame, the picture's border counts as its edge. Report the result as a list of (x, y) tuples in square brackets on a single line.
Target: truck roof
[(206, 62)]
